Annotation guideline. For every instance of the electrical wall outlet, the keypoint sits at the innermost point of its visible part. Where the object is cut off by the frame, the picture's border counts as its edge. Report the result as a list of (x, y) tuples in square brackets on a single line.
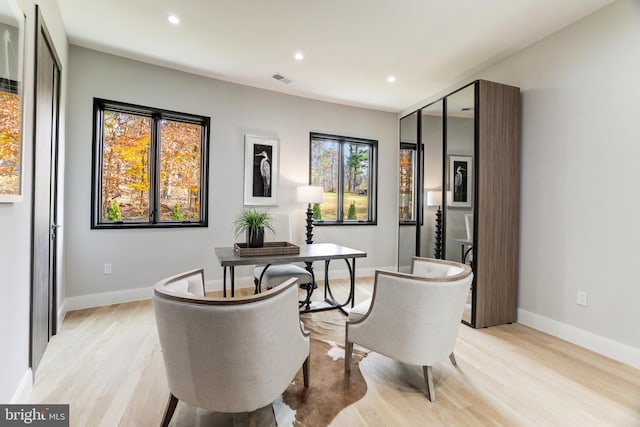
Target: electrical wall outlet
[(107, 269), (582, 298)]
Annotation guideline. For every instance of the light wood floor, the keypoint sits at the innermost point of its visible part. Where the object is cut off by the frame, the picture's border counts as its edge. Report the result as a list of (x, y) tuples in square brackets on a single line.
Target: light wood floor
[(106, 363)]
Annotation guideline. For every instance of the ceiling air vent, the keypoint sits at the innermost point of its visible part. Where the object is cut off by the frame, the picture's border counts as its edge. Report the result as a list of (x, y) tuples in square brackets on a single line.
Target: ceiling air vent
[(281, 78)]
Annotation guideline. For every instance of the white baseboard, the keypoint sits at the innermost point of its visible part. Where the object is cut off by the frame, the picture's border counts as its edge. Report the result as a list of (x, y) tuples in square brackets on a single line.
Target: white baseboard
[(23, 392), (117, 297), (62, 311), (615, 350), (129, 295), (106, 298)]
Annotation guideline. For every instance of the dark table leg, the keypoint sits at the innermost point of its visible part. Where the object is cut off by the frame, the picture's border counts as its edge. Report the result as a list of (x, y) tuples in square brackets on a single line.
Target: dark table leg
[(352, 276), (232, 269), (326, 279), (352, 283), (466, 254), (332, 304), (308, 287), (259, 282), (224, 282)]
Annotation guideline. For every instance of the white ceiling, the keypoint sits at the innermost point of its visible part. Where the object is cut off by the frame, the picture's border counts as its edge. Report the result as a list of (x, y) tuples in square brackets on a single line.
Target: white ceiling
[(350, 46)]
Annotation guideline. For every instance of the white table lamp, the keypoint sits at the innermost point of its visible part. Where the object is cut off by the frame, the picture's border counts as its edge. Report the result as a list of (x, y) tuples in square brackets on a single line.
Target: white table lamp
[(434, 198), (310, 194)]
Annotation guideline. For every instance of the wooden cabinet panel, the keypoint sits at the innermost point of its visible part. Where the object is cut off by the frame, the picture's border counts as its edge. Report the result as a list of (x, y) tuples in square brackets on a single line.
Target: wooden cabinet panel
[(498, 209)]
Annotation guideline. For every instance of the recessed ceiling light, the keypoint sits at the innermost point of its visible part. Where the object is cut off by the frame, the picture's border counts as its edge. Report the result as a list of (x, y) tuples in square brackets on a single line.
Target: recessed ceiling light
[(299, 56), (173, 19), (391, 79)]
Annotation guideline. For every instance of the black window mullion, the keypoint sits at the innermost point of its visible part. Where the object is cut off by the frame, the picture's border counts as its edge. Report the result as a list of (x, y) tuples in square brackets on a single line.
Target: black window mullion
[(97, 163), (370, 185), (340, 189), (204, 172), (154, 169)]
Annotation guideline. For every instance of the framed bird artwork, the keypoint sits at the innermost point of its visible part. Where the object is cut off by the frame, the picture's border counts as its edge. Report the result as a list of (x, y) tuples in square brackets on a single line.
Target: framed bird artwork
[(460, 180), (261, 164)]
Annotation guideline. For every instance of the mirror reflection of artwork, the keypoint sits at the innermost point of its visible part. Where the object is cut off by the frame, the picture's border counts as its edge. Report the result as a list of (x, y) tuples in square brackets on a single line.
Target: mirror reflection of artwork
[(262, 170), (460, 180), (11, 24)]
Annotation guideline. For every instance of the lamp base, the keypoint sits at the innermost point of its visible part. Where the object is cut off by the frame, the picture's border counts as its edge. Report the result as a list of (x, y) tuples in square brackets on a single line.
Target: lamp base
[(438, 243), (309, 225)]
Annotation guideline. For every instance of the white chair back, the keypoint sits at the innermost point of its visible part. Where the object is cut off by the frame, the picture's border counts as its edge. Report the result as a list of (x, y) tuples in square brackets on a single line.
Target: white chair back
[(230, 355), (190, 283), (415, 318), (282, 226), (468, 222)]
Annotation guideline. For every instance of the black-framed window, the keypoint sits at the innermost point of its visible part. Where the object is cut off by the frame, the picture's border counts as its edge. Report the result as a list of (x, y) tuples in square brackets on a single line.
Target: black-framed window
[(150, 167), (346, 168), (10, 136), (408, 170)]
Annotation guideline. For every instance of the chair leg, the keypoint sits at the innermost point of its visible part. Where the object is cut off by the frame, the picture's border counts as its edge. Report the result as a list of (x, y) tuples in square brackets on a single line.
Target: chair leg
[(428, 379), (453, 358), (348, 352), (305, 372), (252, 418), (168, 412)]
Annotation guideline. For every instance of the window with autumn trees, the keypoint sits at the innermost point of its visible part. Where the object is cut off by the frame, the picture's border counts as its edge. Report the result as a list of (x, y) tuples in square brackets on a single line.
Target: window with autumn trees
[(10, 137), (346, 169), (408, 165), (149, 167)]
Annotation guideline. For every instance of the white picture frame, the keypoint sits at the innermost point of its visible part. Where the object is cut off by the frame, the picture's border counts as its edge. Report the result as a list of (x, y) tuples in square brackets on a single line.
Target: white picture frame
[(261, 167)]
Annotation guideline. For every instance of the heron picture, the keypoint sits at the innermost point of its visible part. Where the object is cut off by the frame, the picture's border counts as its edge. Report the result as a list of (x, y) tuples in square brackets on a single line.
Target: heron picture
[(261, 170), (460, 175)]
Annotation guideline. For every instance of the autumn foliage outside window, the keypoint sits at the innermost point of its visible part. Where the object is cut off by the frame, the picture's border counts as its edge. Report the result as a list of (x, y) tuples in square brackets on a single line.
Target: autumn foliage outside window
[(150, 167), (407, 183), (10, 126)]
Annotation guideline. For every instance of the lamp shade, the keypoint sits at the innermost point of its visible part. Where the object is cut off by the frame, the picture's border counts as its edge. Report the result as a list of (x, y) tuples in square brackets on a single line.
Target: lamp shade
[(310, 194), (434, 197)]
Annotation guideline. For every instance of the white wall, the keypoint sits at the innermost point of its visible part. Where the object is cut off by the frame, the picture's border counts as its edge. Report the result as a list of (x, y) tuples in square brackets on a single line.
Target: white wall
[(140, 257), (15, 225), (580, 202)]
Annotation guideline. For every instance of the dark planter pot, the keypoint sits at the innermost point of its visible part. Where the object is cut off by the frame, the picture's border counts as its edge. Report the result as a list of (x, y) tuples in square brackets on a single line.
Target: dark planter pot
[(255, 237)]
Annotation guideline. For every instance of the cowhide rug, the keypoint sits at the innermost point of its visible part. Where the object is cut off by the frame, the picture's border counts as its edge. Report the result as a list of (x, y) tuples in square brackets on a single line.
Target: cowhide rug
[(330, 389)]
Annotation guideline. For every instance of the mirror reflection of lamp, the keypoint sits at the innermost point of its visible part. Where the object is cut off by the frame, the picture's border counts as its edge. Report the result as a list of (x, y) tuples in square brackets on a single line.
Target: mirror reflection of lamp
[(310, 194), (434, 198)]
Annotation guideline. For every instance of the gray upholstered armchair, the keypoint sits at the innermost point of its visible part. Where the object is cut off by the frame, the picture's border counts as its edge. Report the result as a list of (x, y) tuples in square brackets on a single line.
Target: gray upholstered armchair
[(413, 318), (228, 355)]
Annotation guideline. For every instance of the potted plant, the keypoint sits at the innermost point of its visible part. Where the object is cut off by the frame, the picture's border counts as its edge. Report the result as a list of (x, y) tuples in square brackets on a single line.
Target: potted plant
[(252, 222)]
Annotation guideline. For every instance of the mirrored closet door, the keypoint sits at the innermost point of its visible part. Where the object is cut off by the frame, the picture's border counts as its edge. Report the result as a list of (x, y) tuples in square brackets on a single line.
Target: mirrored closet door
[(459, 179), (459, 192)]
